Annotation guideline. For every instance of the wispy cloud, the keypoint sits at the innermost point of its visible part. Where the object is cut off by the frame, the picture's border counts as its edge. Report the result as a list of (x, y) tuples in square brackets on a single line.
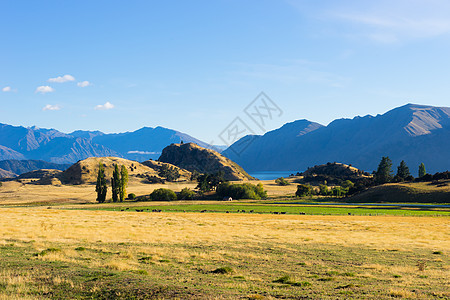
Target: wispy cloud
[(292, 72), (382, 21), (43, 89), (105, 106), (6, 89), (84, 83), (51, 107), (62, 79)]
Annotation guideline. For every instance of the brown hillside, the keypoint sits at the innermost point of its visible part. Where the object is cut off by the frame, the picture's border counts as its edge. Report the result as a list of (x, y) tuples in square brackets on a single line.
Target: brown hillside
[(192, 157), (85, 171), (40, 174), (7, 174), (156, 165)]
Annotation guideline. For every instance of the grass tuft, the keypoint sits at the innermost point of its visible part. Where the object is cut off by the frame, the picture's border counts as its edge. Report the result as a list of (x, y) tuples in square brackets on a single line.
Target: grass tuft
[(223, 270)]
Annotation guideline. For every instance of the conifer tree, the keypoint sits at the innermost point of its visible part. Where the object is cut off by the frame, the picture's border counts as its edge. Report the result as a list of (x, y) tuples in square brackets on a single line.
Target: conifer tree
[(422, 171), (384, 172), (101, 188), (403, 170)]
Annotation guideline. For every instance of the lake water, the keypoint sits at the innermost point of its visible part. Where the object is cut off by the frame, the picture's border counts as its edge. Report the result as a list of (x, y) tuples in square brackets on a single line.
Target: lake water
[(270, 175)]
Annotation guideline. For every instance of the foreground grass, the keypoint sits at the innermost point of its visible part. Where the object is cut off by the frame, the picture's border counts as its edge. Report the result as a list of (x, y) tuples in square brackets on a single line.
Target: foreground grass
[(67, 254)]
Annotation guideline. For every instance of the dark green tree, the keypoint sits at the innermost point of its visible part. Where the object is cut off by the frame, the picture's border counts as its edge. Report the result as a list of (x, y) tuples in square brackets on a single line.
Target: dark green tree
[(384, 171), (303, 190), (101, 188), (186, 194), (208, 182), (123, 183), (422, 171), (115, 184), (402, 171)]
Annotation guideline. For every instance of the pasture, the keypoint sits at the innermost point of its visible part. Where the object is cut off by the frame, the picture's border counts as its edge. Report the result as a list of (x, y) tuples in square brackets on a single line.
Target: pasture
[(60, 253)]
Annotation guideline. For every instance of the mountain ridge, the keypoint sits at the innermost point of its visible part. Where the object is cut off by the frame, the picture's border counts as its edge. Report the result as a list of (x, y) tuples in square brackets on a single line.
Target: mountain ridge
[(414, 133)]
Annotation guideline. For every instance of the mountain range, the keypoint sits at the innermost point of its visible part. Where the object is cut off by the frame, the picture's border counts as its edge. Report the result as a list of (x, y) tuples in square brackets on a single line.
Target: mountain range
[(414, 133), (21, 143)]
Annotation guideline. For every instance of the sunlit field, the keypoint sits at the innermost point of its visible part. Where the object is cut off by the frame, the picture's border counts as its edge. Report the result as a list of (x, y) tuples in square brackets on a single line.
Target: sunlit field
[(56, 253)]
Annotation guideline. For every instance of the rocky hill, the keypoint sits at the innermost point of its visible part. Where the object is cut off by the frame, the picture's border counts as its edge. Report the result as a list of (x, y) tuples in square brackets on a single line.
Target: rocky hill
[(414, 133), (192, 157), (85, 171)]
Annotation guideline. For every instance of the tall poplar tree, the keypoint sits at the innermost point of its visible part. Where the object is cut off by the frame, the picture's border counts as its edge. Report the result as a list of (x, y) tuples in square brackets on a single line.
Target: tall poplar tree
[(101, 188), (123, 183), (422, 171), (115, 184)]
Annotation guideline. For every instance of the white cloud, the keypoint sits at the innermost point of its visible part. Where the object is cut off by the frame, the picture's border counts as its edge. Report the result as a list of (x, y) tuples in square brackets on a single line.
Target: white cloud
[(84, 83), (51, 107), (61, 79), (105, 106), (44, 89), (142, 152), (6, 89)]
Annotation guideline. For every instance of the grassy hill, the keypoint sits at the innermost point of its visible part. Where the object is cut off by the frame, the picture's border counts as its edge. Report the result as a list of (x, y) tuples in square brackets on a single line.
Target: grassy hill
[(423, 192)]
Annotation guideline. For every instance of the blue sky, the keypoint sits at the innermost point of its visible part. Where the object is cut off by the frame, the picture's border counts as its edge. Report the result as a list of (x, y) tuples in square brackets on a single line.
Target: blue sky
[(194, 66)]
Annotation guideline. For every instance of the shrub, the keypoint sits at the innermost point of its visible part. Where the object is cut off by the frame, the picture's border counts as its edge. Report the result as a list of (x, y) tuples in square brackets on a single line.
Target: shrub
[(155, 179), (281, 181), (186, 194), (223, 270), (163, 195), (241, 191), (131, 196), (170, 173), (303, 190), (323, 190)]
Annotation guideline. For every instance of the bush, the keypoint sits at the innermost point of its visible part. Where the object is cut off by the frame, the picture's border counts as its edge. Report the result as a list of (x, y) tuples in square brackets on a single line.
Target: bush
[(323, 190), (163, 195), (186, 194), (281, 181), (241, 191), (303, 190), (131, 196), (154, 179)]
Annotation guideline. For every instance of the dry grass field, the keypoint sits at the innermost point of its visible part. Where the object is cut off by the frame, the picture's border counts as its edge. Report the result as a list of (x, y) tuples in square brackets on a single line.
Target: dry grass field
[(57, 253)]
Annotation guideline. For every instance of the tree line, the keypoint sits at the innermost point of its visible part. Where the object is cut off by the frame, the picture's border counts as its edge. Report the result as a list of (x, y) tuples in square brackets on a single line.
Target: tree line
[(119, 182)]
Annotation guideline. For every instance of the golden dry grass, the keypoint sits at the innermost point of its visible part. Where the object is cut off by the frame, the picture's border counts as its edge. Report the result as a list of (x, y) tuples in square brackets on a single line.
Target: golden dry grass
[(181, 249), (387, 232)]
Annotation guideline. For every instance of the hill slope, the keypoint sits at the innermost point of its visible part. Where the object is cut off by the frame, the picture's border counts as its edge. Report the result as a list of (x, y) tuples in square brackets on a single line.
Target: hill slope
[(192, 157), (23, 166), (414, 133)]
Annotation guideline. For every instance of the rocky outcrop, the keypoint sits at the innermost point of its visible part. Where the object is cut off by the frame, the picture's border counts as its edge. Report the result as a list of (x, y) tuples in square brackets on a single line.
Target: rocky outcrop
[(192, 157)]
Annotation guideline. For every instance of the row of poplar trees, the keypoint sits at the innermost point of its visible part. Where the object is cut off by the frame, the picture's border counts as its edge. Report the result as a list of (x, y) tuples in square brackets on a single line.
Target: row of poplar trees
[(119, 182)]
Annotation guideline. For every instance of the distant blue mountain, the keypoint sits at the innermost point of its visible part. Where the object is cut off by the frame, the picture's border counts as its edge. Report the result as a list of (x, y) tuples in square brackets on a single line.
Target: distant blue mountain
[(414, 133), (20, 143)]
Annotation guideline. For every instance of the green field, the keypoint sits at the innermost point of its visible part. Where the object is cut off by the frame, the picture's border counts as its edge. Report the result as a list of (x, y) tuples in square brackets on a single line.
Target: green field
[(309, 209)]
